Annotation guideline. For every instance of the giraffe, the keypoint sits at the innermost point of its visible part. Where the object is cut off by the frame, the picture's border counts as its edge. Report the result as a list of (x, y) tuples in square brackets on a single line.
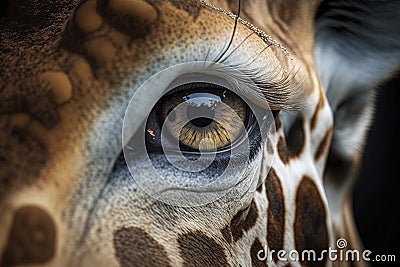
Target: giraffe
[(69, 70)]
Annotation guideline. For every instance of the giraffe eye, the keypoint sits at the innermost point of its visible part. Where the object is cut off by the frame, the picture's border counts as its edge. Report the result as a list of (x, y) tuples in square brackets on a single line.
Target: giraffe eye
[(200, 116)]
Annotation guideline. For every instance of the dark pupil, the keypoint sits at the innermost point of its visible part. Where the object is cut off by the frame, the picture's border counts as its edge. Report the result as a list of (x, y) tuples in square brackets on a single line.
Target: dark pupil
[(200, 115), (201, 122)]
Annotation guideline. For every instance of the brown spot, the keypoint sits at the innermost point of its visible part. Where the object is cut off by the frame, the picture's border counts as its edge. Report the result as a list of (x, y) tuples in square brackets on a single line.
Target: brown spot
[(320, 105), (87, 18), (197, 249), (243, 221), (60, 85), (296, 138), (193, 8), (101, 50), (133, 18), (134, 247), (324, 144), (275, 213), (32, 238), (255, 248), (282, 150), (226, 233), (294, 143), (310, 220)]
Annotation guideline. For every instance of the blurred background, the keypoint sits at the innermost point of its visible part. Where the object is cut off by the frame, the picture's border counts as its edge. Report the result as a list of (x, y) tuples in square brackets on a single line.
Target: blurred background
[(377, 192)]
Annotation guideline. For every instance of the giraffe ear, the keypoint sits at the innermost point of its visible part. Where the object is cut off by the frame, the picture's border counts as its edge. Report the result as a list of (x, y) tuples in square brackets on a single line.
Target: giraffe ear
[(357, 46)]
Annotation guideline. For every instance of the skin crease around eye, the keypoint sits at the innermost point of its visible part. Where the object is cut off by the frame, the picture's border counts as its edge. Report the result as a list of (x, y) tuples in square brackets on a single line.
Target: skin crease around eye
[(211, 119)]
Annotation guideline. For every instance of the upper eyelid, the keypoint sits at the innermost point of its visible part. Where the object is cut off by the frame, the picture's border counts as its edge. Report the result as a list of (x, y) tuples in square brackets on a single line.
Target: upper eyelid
[(282, 87), (189, 86), (280, 90), (263, 87), (278, 76)]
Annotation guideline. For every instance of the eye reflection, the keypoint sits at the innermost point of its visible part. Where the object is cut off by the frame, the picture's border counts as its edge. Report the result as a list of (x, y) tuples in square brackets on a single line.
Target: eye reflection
[(201, 108)]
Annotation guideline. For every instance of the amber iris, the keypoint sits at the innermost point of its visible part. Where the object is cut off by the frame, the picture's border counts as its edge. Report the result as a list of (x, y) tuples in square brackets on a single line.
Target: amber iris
[(204, 118)]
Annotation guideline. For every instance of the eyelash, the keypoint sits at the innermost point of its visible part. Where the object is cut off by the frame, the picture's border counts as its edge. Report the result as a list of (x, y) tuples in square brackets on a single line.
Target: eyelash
[(290, 92)]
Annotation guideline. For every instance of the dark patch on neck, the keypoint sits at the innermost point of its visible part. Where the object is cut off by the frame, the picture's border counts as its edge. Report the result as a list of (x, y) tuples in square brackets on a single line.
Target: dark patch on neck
[(243, 221), (282, 150), (294, 142), (310, 221), (193, 8), (134, 247), (197, 249), (32, 238), (275, 213), (255, 248), (296, 138)]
